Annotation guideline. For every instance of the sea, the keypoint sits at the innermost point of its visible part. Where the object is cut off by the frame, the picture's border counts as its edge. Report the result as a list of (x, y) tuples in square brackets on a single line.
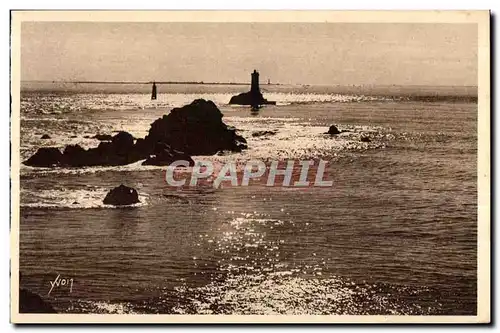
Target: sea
[(395, 234)]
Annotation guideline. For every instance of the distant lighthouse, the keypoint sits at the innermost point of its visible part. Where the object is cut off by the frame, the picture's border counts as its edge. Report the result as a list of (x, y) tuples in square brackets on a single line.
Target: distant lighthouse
[(254, 96), (254, 88), (153, 93)]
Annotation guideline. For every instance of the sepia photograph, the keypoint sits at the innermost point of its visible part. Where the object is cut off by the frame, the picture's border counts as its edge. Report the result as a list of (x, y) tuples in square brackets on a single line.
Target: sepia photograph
[(302, 166)]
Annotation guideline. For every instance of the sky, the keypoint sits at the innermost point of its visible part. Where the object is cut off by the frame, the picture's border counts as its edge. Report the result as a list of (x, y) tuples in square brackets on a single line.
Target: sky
[(287, 53)]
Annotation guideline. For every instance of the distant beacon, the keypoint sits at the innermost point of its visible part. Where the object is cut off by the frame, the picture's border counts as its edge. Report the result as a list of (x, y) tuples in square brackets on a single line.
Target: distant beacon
[(254, 88), (153, 93), (254, 97)]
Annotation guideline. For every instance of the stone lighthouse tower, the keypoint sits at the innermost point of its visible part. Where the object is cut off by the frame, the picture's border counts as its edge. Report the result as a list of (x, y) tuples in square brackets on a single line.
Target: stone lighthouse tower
[(255, 90), (253, 97)]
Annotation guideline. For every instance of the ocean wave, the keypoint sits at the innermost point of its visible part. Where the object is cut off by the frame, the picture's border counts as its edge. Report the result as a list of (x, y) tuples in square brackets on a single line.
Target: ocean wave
[(136, 166), (71, 198)]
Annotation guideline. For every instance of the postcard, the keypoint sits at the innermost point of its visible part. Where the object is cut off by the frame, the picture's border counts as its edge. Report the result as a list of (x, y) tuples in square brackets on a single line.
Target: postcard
[(250, 167)]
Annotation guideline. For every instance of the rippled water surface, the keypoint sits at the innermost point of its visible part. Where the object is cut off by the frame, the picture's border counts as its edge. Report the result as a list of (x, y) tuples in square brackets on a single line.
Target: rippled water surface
[(395, 234)]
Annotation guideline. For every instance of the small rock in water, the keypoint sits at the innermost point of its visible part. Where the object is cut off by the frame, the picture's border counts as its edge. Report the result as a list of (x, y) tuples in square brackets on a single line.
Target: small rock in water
[(365, 139), (333, 130), (45, 136), (263, 133), (75, 203), (121, 196)]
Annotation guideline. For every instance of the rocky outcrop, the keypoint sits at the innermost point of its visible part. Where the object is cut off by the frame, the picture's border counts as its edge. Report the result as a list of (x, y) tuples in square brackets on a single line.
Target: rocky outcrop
[(121, 196), (74, 155), (45, 137), (45, 157), (249, 98), (194, 129), (365, 138), (30, 302), (119, 151)]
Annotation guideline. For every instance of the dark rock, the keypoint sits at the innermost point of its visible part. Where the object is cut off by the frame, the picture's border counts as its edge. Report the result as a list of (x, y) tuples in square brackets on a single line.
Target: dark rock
[(45, 136), (263, 133), (122, 142), (110, 154), (32, 303), (165, 155), (119, 151), (144, 147), (195, 129), (73, 136), (333, 130), (87, 136), (365, 139), (45, 157), (121, 196), (103, 137), (74, 155), (249, 98)]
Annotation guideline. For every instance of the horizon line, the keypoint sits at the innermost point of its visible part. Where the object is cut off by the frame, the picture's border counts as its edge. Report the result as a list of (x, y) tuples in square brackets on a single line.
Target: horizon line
[(242, 83)]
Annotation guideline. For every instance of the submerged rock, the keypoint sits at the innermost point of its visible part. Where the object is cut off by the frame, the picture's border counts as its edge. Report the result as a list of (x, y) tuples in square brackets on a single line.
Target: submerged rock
[(121, 196), (45, 136), (45, 157), (333, 130), (263, 133), (30, 302)]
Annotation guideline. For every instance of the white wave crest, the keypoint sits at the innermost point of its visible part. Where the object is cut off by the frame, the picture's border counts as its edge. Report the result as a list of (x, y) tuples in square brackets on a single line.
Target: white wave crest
[(74, 199)]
